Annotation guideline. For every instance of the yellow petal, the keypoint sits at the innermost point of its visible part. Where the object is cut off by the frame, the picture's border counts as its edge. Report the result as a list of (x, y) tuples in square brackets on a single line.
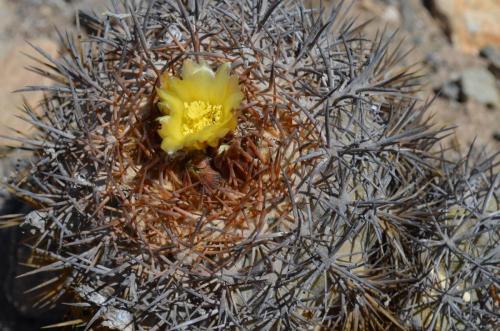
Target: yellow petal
[(233, 101), (192, 70), (169, 101), (163, 119), (179, 88)]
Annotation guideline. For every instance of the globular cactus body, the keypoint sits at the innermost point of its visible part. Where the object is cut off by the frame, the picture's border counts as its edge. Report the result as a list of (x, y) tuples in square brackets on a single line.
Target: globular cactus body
[(328, 207)]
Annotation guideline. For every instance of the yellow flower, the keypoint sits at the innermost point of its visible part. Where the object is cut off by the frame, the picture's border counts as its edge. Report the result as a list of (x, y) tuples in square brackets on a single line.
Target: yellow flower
[(198, 108)]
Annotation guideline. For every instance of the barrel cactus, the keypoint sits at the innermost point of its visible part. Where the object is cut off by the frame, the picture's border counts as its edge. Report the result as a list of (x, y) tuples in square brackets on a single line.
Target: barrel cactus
[(250, 165)]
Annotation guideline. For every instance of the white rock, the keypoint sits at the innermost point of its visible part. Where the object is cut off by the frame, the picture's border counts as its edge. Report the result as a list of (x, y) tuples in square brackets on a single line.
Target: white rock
[(36, 219), (479, 84)]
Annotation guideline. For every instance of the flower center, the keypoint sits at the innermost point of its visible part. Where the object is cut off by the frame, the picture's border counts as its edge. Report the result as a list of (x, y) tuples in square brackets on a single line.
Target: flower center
[(199, 115)]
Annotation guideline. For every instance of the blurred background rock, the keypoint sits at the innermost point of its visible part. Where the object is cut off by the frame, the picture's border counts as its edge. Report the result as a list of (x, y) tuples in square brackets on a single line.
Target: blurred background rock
[(458, 44), (457, 41)]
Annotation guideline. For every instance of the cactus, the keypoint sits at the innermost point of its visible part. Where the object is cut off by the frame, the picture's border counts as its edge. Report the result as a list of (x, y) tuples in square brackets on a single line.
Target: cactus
[(329, 206)]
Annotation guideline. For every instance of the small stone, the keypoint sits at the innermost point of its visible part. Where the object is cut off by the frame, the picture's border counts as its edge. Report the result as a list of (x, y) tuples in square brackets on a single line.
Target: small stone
[(391, 14), (492, 54), (450, 90), (479, 84), (36, 219), (435, 61)]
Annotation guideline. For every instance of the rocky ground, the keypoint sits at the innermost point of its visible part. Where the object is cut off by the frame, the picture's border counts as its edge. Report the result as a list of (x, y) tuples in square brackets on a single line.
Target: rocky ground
[(457, 43)]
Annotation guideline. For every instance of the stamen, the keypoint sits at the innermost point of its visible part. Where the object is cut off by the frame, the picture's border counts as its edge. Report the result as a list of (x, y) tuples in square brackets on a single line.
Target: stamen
[(198, 115)]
